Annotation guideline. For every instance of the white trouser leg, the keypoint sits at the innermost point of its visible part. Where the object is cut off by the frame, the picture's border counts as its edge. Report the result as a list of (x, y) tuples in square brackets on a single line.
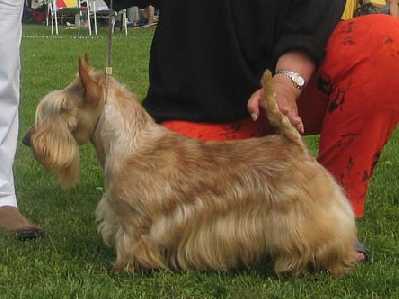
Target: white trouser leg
[(10, 40)]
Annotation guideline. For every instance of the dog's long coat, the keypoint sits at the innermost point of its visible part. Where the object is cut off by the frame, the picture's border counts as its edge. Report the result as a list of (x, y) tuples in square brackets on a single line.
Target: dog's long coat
[(175, 203)]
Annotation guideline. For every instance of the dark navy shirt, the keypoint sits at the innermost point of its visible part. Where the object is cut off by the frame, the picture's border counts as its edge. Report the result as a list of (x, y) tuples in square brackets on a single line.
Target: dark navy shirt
[(207, 56)]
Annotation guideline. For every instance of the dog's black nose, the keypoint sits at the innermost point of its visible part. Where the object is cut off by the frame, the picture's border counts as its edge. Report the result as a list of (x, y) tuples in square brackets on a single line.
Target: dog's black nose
[(27, 138)]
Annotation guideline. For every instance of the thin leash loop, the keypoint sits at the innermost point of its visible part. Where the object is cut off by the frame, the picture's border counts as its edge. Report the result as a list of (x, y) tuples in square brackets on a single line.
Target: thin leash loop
[(108, 67)]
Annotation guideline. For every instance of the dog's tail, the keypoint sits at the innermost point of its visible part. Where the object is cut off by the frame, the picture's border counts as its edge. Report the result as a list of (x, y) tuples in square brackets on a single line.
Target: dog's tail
[(275, 117)]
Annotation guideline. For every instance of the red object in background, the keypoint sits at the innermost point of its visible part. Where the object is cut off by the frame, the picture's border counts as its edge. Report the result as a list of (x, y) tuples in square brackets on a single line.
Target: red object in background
[(38, 16)]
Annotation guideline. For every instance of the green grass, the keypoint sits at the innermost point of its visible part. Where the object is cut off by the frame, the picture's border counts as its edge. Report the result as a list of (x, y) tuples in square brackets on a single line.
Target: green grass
[(72, 262)]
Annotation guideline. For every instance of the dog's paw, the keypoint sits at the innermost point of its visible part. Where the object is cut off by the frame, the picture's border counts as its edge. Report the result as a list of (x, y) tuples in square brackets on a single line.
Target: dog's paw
[(124, 267)]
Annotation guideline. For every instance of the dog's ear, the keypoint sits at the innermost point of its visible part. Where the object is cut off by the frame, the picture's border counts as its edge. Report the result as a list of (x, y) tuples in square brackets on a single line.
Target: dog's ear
[(91, 86), (55, 147)]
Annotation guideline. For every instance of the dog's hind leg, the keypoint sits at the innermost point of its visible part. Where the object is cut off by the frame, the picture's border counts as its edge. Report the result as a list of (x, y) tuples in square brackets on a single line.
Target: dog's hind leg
[(338, 256), (292, 263)]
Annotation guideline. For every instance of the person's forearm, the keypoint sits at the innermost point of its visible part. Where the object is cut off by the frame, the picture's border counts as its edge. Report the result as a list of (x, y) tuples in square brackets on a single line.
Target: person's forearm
[(294, 61), (394, 8)]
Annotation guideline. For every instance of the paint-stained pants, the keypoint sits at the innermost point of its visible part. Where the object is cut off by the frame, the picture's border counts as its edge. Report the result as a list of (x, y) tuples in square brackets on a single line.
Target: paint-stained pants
[(10, 39), (352, 102)]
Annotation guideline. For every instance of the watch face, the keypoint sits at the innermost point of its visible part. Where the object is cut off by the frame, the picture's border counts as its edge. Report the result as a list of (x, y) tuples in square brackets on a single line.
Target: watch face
[(299, 80)]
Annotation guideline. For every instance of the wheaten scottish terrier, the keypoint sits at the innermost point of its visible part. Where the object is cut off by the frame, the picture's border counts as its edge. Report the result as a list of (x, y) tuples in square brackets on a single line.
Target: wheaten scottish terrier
[(175, 203)]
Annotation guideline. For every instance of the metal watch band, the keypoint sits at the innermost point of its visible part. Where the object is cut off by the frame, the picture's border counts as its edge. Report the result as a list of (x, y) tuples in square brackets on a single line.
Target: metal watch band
[(297, 80)]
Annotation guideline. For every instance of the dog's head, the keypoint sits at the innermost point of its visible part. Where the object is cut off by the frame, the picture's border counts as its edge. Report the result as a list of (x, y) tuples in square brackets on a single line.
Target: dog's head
[(64, 120)]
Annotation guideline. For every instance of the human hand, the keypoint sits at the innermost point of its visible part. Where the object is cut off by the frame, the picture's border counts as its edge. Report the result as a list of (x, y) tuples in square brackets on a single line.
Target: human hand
[(286, 96)]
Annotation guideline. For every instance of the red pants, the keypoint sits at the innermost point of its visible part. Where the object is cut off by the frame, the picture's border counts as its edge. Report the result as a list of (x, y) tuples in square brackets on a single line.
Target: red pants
[(352, 102)]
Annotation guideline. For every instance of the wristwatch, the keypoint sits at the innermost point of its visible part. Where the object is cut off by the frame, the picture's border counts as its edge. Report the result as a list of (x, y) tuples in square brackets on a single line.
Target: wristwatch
[(297, 80)]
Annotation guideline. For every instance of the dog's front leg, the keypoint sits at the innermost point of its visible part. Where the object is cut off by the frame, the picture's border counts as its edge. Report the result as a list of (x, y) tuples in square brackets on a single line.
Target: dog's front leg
[(137, 252), (113, 234), (124, 248), (107, 220)]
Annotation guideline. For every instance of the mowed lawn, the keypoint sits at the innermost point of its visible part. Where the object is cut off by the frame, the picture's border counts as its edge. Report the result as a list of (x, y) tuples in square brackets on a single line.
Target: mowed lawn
[(72, 261)]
